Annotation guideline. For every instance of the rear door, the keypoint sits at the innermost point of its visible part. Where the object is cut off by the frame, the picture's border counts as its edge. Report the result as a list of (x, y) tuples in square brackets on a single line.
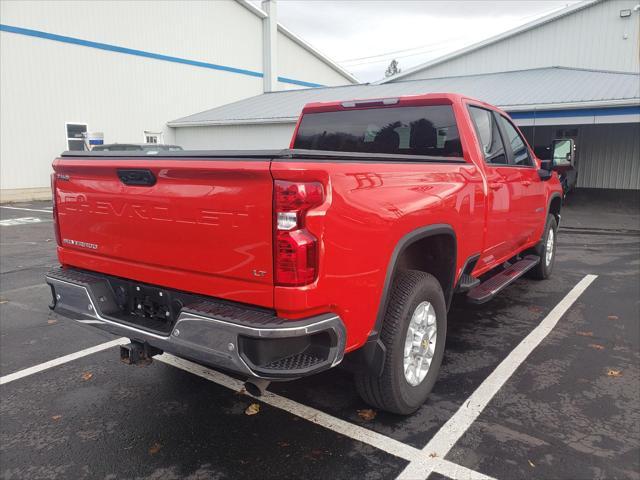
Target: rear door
[(528, 191), (501, 179), (194, 224)]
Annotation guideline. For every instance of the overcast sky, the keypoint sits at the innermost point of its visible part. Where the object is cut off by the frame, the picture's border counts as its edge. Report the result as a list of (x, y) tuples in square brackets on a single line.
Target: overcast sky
[(413, 31)]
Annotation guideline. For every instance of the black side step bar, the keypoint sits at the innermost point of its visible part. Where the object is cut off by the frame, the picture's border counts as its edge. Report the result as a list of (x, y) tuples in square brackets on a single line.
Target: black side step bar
[(492, 286), (467, 282)]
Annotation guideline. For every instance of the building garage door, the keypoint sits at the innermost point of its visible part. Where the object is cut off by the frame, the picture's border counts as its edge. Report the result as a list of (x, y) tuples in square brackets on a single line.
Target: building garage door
[(608, 155)]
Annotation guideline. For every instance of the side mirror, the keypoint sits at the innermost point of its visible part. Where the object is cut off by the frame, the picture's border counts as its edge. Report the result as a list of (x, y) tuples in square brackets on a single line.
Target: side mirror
[(545, 172), (562, 152)]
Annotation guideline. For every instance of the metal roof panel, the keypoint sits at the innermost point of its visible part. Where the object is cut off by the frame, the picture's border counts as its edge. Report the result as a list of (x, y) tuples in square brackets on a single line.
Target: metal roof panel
[(514, 90)]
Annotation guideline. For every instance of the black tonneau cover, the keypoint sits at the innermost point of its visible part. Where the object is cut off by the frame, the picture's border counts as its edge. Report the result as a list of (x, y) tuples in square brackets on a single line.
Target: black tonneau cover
[(276, 155)]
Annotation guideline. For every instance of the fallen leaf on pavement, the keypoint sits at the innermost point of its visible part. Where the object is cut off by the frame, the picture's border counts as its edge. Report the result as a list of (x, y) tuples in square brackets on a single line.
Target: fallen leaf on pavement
[(531, 463), (252, 409), (612, 317), (155, 448), (56, 417), (596, 346), (367, 414), (51, 322), (283, 444), (614, 373), (433, 454), (3, 301), (584, 334), (87, 376), (242, 391)]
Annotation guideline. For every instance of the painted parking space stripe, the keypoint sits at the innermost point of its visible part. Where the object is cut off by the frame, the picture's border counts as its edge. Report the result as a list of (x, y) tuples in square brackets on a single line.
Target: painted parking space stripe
[(318, 417), (61, 360), (422, 462), (455, 471), (442, 442), (353, 431), (27, 209), (12, 222)]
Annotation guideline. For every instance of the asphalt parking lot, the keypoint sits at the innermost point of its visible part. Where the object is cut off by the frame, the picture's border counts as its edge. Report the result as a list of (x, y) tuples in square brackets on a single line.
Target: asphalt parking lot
[(542, 382)]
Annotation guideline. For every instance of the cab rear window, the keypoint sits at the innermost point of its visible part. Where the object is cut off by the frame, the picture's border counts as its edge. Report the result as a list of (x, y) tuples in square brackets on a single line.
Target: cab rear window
[(426, 130)]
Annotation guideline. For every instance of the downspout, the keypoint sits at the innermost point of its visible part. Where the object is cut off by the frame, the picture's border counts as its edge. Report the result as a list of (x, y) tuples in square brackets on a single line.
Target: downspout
[(270, 46)]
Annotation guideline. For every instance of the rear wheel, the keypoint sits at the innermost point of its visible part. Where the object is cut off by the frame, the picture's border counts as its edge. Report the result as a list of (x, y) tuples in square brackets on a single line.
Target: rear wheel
[(546, 250), (413, 333)]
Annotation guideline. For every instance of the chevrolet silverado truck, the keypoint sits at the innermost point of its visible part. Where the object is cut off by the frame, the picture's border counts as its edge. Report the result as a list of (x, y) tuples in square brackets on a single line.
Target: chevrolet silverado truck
[(348, 247)]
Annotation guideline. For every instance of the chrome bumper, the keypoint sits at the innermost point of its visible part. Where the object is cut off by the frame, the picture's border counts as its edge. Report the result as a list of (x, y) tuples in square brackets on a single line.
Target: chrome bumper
[(232, 337)]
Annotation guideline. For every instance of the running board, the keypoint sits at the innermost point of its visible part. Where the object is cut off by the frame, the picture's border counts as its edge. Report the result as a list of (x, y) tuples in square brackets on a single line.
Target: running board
[(492, 286), (467, 283)]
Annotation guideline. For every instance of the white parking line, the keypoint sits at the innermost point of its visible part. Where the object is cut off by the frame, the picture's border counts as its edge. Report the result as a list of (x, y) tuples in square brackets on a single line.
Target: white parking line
[(60, 360), (450, 432), (12, 222), (353, 431), (422, 462), (26, 209)]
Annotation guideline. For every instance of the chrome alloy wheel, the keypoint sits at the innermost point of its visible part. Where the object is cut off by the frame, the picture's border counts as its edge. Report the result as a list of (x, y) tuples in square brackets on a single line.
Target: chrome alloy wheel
[(548, 251), (420, 343)]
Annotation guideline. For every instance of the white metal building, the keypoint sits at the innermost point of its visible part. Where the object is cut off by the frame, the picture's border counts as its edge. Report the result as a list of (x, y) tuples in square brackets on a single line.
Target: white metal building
[(124, 69), (574, 73), (596, 34), (593, 34)]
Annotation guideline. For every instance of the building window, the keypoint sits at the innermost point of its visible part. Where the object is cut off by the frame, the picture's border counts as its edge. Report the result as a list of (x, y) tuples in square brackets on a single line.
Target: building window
[(76, 136), (152, 137)]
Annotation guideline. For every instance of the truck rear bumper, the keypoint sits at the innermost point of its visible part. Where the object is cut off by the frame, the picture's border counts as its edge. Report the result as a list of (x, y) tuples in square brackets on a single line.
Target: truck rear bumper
[(230, 336)]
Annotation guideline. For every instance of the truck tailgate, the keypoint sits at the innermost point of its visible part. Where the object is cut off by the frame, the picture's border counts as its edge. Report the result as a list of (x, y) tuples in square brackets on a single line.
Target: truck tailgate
[(200, 225)]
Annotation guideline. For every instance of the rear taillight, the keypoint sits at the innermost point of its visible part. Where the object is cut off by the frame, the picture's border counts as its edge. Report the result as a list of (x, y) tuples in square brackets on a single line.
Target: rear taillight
[(54, 197), (295, 248)]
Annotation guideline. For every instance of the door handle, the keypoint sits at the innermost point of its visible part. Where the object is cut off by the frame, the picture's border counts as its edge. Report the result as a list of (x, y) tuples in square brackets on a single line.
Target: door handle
[(495, 186), (526, 183)]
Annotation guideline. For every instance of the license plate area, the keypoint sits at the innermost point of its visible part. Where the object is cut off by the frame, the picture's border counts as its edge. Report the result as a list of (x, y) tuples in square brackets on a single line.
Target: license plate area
[(151, 308)]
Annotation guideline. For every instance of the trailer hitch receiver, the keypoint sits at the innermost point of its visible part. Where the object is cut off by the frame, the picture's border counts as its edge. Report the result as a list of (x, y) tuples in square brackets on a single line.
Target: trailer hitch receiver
[(138, 353)]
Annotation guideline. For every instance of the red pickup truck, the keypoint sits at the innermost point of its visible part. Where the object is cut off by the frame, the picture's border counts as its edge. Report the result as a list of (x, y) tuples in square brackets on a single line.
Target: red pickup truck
[(348, 247)]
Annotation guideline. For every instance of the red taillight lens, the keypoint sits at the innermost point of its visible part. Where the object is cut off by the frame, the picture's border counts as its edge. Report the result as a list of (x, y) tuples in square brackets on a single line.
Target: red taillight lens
[(294, 196), (295, 248), (54, 199), (295, 257)]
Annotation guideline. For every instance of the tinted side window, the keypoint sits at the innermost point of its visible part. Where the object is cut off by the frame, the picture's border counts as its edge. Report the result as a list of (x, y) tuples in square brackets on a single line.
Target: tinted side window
[(428, 130), (489, 135), (519, 148)]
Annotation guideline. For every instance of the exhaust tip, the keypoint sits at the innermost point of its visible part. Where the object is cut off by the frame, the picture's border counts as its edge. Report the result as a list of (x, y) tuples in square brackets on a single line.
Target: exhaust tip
[(256, 386)]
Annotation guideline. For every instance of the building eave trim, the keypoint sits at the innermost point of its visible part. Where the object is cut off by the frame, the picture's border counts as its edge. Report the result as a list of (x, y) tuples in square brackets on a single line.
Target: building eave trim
[(626, 102), (247, 121)]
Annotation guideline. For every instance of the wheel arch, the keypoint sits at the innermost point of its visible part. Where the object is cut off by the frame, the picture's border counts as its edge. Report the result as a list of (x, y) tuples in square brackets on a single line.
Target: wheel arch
[(371, 356), (407, 254), (555, 205)]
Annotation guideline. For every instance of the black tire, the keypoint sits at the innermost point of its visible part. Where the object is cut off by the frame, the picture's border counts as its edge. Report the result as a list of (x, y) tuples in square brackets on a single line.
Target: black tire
[(543, 270), (391, 391)]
